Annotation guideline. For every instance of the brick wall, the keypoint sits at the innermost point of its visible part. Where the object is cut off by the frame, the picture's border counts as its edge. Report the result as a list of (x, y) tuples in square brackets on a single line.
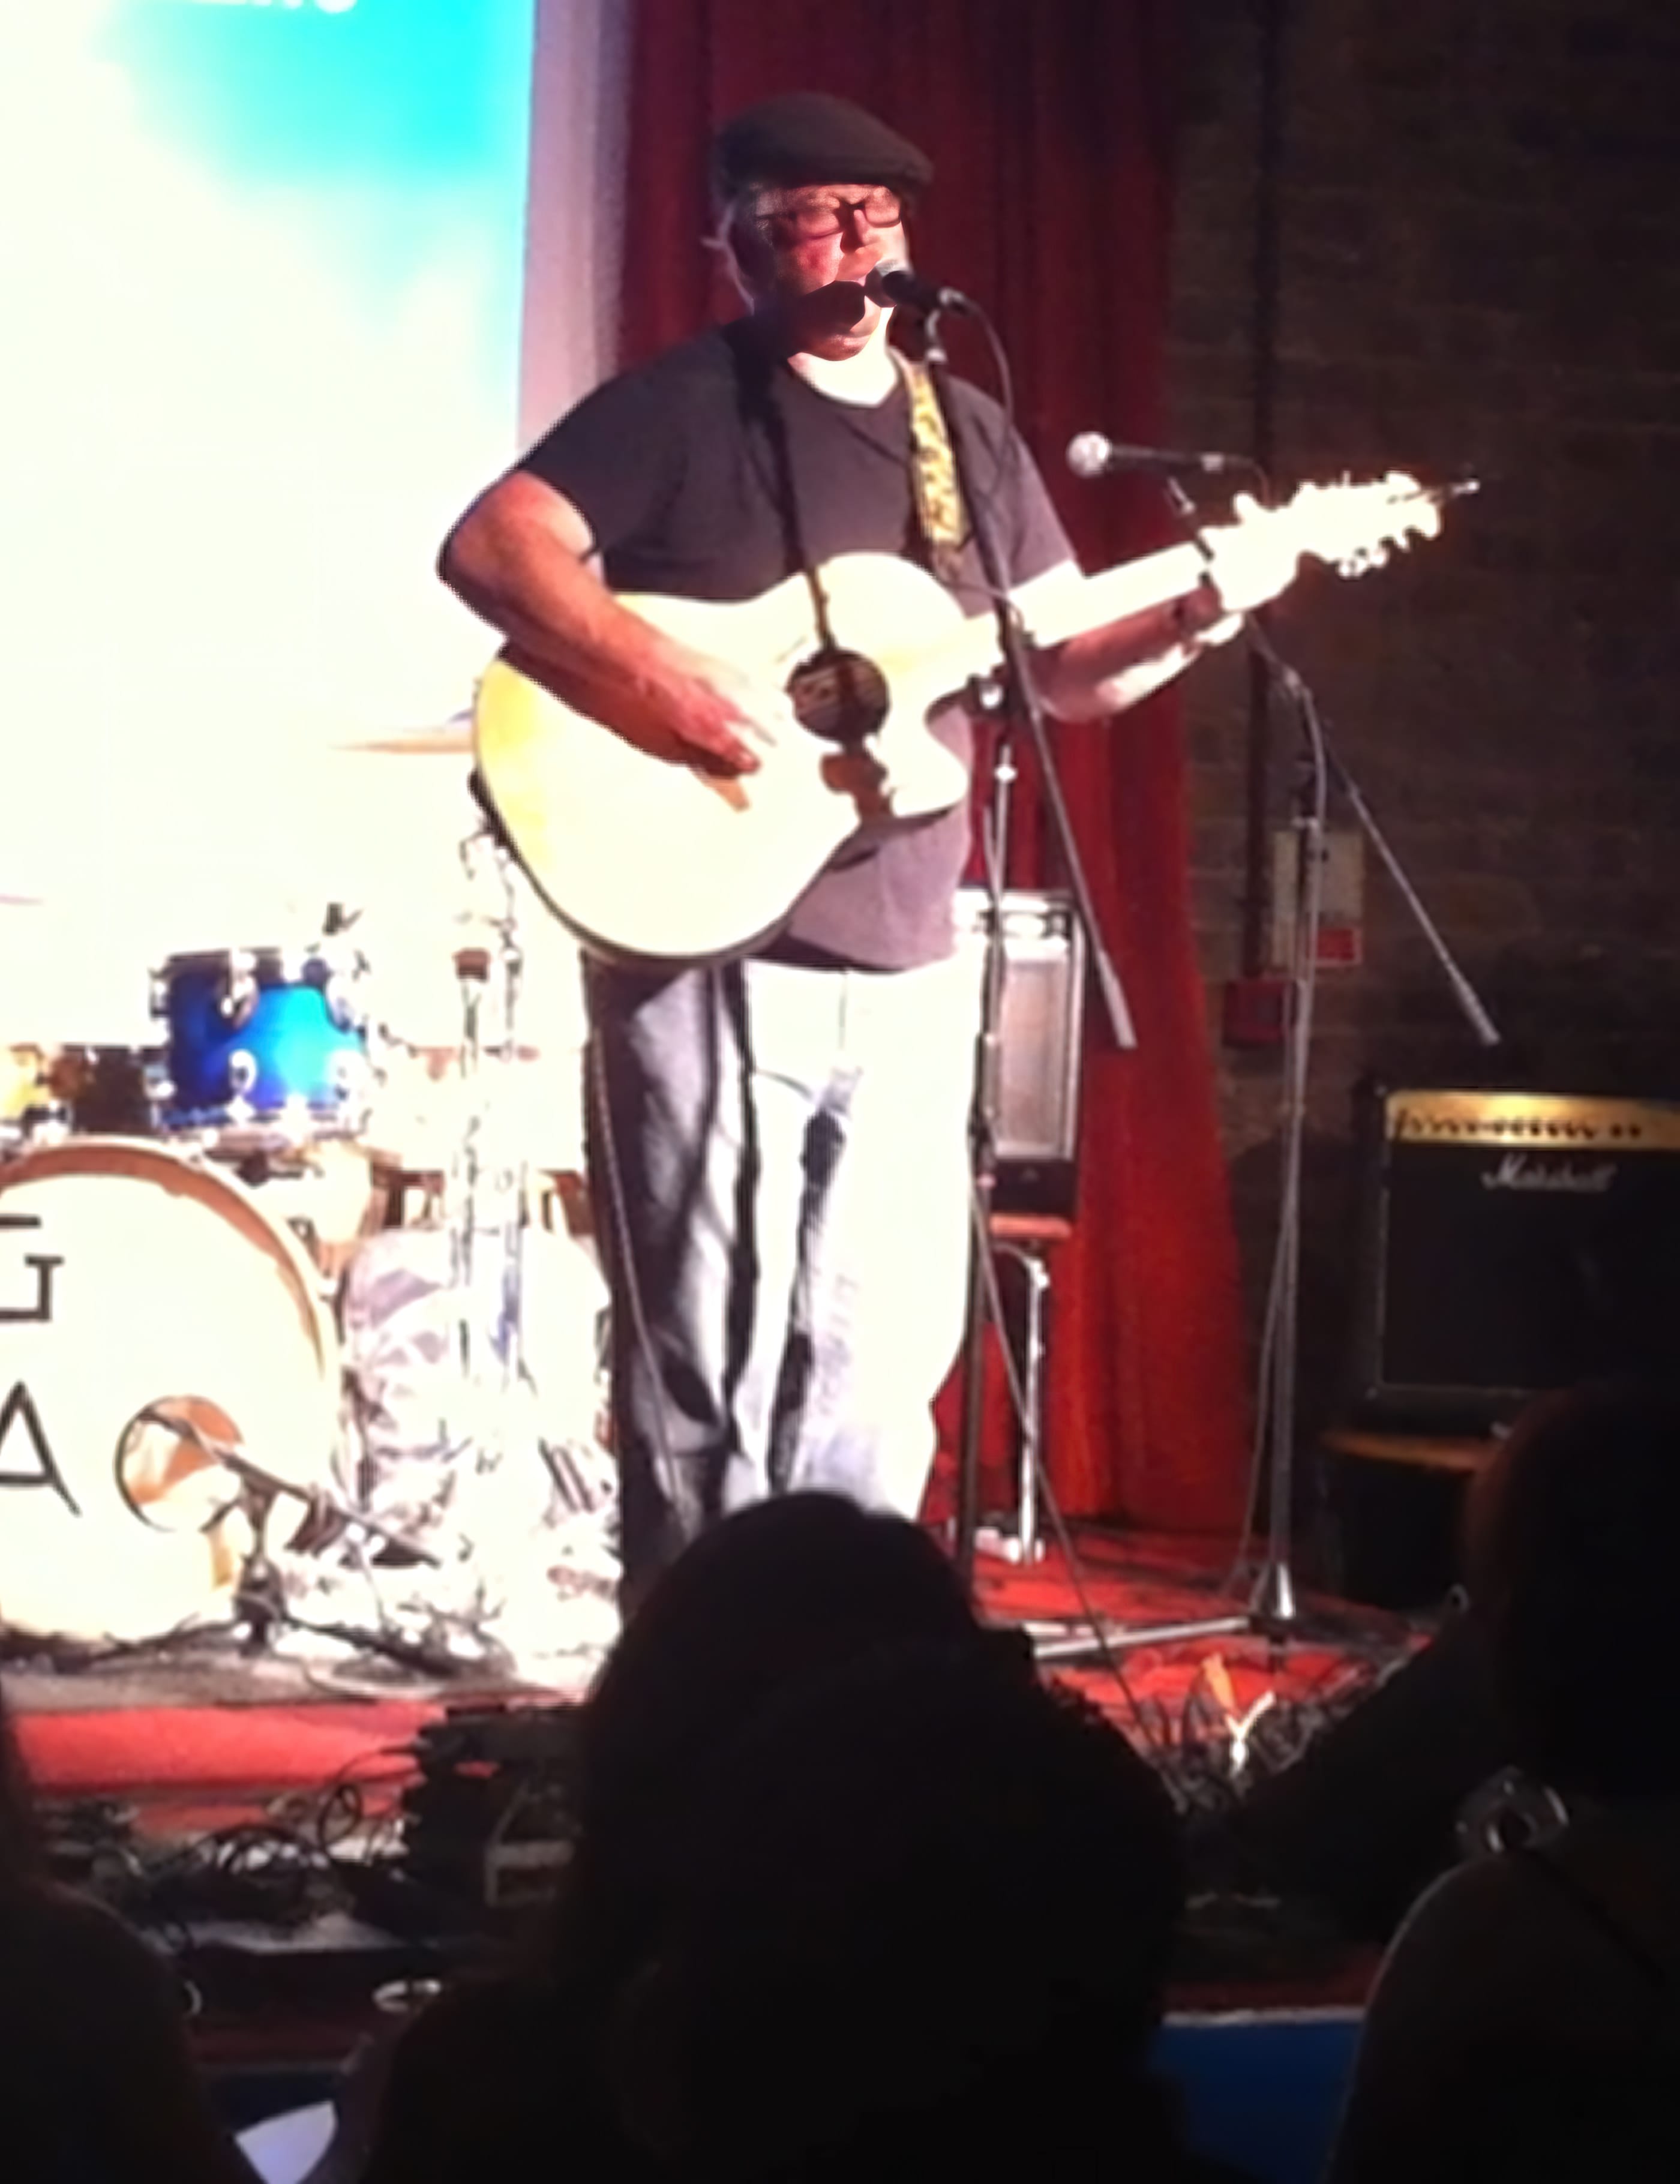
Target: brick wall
[(1480, 266)]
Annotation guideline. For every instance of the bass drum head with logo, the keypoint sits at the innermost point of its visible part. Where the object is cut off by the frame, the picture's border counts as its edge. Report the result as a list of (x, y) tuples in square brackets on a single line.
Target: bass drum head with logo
[(137, 1287)]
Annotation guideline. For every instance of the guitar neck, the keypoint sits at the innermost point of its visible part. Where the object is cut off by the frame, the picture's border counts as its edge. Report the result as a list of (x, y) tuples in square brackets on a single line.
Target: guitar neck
[(1352, 528)]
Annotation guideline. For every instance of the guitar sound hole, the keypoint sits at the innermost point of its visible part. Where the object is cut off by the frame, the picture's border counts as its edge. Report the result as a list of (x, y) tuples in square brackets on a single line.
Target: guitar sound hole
[(837, 695)]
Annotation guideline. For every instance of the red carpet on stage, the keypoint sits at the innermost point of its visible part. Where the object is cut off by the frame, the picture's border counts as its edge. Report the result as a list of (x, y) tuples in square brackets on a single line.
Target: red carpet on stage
[(257, 1751)]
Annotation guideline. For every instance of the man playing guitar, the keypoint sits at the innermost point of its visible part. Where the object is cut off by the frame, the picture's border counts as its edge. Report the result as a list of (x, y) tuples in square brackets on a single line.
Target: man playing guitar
[(778, 1146)]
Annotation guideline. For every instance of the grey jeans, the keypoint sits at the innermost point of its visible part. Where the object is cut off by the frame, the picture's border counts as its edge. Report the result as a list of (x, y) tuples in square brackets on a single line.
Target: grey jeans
[(779, 1160)]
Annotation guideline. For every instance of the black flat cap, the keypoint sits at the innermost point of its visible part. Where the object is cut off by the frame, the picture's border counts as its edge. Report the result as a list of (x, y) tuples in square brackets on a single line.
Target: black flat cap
[(812, 136)]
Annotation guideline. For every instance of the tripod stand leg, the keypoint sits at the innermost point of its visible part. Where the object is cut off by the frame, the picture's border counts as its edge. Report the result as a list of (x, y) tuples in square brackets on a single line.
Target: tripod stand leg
[(1037, 1278), (1273, 1605), (1023, 1543)]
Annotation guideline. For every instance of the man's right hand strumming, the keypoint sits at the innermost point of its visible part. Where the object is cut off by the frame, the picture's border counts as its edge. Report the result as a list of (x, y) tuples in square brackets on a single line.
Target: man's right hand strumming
[(696, 710), (519, 557)]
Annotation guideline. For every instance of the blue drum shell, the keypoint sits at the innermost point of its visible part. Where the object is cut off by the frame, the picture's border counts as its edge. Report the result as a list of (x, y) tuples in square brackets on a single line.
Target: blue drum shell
[(302, 1058)]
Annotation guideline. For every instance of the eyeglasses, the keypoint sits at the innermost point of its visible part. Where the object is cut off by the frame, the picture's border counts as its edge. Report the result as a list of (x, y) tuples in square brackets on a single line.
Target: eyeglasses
[(816, 219)]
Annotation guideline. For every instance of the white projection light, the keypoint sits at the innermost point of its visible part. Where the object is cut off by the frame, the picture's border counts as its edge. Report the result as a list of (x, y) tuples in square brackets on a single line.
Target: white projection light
[(270, 275)]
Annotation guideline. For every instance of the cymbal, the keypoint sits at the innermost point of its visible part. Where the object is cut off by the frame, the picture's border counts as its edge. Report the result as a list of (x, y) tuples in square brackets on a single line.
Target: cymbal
[(453, 740)]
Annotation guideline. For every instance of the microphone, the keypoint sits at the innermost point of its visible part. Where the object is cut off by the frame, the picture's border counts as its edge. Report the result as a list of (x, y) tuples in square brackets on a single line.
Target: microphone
[(1094, 455), (895, 281)]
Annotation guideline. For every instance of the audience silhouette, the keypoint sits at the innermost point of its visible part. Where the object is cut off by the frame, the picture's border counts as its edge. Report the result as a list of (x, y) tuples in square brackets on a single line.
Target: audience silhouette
[(99, 2083), (852, 1894), (922, 1927), (1526, 2020), (781, 1592)]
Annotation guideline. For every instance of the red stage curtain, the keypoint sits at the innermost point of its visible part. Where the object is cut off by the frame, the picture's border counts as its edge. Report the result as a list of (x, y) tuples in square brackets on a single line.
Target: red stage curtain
[(1050, 128)]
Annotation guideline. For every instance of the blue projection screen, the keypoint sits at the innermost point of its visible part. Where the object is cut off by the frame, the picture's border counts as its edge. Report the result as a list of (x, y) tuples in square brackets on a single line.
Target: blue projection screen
[(262, 262)]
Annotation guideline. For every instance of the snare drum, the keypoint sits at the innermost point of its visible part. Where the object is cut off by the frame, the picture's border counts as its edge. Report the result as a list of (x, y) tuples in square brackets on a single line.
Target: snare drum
[(147, 1305), (266, 1046)]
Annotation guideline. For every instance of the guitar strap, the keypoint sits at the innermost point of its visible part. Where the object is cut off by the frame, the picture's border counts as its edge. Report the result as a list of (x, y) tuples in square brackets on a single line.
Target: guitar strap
[(759, 403), (933, 472)]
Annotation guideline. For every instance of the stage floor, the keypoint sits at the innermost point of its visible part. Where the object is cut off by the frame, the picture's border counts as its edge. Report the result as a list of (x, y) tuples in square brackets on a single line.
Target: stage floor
[(181, 1736)]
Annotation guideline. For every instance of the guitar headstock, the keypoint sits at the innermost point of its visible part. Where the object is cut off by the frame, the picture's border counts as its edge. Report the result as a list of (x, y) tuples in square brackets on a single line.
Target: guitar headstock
[(1355, 527)]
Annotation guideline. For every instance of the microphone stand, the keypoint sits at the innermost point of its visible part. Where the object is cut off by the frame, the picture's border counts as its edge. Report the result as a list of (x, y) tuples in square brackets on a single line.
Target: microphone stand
[(259, 1596), (322, 1502), (1019, 704), (1273, 1610)]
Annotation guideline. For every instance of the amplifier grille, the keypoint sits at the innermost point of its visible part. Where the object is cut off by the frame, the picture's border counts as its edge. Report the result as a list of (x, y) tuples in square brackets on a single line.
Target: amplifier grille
[(1512, 1243)]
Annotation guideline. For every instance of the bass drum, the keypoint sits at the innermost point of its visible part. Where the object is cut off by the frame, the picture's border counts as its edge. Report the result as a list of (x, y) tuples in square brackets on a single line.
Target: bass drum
[(149, 1306)]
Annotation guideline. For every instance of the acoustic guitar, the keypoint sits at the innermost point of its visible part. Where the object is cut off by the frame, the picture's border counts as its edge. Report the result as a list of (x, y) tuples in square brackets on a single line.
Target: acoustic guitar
[(649, 858)]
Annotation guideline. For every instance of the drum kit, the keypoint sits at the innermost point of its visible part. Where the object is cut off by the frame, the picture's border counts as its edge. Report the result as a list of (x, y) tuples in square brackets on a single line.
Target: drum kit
[(300, 1336)]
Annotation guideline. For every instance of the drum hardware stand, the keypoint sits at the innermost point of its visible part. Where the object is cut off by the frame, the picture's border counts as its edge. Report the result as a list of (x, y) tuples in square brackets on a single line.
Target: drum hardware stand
[(489, 1178), (1273, 1611), (484, 1216), (480, 1498)]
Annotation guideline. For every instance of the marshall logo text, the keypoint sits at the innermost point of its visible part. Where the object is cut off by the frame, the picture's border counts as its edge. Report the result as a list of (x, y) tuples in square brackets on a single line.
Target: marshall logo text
[(1522, 1172)]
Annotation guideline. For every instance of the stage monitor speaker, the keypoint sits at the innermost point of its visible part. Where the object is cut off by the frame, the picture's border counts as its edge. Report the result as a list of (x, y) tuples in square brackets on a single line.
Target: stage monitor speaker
[(1511, 1242), (1040, 1041)]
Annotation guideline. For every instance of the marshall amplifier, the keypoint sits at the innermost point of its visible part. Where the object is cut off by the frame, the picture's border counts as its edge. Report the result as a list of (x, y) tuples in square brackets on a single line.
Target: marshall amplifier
[(1512, 1242), (1039, 1046)]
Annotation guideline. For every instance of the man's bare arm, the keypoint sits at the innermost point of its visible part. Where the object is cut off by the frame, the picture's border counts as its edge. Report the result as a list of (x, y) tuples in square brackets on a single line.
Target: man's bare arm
[(1112, 668), (1117, 665), (519, 557)]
